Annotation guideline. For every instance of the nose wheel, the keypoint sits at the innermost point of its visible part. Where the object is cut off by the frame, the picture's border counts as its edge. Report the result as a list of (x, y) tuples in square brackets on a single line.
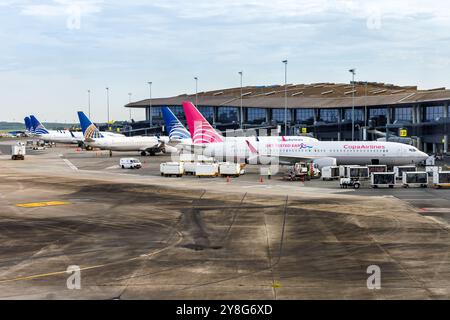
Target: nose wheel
[(143, 153)]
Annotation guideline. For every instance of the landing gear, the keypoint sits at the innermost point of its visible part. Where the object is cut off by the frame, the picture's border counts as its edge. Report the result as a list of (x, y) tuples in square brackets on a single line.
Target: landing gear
[(143, 153), (110, 153)]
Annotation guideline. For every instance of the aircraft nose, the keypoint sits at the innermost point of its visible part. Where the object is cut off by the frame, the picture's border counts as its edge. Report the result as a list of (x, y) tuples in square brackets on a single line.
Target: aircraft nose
[(424, 155)]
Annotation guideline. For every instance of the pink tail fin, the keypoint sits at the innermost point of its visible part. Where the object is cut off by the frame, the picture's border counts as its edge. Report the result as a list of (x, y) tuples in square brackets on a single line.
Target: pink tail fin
[(201, 131)]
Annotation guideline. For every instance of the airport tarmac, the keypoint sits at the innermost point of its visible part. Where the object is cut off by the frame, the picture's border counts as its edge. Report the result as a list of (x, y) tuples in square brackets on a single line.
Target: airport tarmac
[(136, 235)]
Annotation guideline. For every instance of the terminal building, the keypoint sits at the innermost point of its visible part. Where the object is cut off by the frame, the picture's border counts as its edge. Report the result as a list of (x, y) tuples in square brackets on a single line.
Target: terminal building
[(324, 110)]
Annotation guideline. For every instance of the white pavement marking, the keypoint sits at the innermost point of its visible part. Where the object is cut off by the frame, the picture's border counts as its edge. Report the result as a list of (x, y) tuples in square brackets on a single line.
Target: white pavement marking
[(70, 164)]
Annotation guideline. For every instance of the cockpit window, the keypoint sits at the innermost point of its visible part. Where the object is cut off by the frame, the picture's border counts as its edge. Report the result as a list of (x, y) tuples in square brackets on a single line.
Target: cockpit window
[(413, 150)]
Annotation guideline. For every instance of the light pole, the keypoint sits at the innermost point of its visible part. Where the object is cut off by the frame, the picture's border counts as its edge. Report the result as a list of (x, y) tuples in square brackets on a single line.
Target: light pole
[(129, 102), (196, 91), (285, 96), (107, 104), (241, 73), (353, 72), (89, 103), (150, 104)]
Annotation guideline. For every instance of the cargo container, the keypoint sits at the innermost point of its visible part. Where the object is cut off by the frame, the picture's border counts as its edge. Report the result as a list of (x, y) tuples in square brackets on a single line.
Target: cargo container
[(399, 171), (207, 170), (18, 151), (189, 168), (441, 179), (415, 179), (377, 168), (228, 169), (169, 169), (330, 173), (344, 170), (383, 179), (358, 173)]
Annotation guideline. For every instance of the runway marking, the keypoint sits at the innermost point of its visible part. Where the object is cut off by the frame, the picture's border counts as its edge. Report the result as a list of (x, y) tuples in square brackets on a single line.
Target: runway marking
[(42, 204), (71, 165)]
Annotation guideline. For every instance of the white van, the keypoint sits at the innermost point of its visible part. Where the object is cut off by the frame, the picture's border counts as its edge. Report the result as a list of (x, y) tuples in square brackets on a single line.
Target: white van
[(130, 163)]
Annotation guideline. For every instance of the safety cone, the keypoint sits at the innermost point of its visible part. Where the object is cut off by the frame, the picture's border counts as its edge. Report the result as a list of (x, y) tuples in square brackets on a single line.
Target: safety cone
[(261, 179)]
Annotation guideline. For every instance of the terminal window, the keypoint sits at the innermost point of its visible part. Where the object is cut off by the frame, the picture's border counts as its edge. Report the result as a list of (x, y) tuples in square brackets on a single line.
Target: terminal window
[(256, 115), (305, 115), (329, 115), (156, 113), (278, 115), (359, 114), (433, 113), (403, 114), (378, 112), (228, 115)]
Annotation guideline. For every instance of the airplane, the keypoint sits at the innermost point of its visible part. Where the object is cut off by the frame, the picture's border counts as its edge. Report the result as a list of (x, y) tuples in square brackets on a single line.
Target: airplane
[(36, 128), (95, 139), (327, 153), (288, 150), (203, 133), (57, 136)]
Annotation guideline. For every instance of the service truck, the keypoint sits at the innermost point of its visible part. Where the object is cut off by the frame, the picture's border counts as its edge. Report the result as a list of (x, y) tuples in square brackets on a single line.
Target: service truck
[(130, 163), (18, 151)]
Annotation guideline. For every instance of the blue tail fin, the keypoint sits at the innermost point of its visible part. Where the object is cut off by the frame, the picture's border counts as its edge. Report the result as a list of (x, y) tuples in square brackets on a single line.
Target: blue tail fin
[(90, 131), (27, 124), (174, 127), (37, 127)]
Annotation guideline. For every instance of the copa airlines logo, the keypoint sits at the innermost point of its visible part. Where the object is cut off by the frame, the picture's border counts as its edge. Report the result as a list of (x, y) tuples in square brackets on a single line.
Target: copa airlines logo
[(92, 132), (365, 147), (178, 132), (205, 134), (40, 129)]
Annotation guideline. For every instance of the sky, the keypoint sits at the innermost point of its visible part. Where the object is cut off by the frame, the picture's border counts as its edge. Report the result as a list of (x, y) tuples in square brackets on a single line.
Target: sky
[(53, 51)]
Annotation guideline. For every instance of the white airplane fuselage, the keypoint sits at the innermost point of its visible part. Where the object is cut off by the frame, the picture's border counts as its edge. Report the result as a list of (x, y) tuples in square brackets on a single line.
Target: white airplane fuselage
[(124, 143), (67, 137), (345, 153)]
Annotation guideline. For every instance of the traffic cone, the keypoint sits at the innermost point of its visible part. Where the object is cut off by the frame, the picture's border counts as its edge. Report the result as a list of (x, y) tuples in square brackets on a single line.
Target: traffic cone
[(261, 179), (228, 179)]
